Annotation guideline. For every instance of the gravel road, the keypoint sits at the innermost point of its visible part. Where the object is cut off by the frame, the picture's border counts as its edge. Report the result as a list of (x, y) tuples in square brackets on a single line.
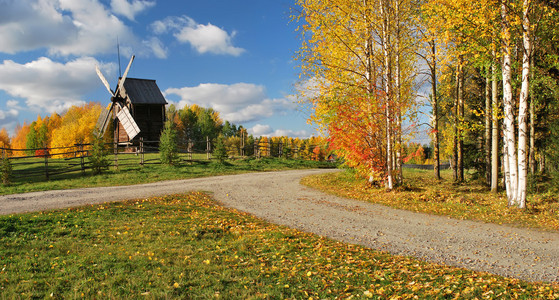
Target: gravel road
[(279, 198)]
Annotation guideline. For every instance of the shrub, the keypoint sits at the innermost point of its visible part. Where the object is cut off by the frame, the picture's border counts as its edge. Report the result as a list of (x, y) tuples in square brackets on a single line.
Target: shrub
[(98, 156), (168, 146), (42, 152), (220, 151), (5, 170)]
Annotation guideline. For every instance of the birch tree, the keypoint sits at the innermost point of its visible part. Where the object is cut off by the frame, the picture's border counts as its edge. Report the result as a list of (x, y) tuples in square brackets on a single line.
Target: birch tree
[(352, 54)]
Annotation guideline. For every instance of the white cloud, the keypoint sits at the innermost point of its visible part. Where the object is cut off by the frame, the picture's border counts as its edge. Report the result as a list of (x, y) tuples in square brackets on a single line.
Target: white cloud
[(12, 104), (155, 46), (130, 10), (49, 86), (268, 131), (203, 38), (28, 24), (240, 102), (69, 27), (8, 119), (97, 29), (260, 130)]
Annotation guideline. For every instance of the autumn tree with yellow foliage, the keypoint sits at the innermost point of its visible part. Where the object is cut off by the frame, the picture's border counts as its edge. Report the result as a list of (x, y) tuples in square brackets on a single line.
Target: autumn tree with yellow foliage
[(76, 127), (359, 60), (501, 34)]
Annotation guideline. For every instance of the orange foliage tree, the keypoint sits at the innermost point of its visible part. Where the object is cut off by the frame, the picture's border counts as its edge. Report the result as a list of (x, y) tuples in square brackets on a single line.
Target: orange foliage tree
[(358, 60), (76, 127), (19, 140), (4, 138)]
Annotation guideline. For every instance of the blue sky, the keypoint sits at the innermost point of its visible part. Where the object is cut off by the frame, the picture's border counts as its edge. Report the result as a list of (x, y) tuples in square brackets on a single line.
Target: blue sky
[(235, 56)]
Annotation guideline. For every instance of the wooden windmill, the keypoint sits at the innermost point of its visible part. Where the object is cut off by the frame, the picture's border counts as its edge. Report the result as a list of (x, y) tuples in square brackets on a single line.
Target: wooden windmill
[(139, 108)]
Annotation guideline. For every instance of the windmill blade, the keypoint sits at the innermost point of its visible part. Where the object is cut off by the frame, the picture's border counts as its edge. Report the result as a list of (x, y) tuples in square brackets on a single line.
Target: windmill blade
[(128, 122), (103, 121), (121, 83), (104, 80)]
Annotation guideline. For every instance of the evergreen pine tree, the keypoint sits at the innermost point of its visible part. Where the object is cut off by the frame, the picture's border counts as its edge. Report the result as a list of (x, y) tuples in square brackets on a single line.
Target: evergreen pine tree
[(98, 157), (168, 145), (220, 151), (5, 170)]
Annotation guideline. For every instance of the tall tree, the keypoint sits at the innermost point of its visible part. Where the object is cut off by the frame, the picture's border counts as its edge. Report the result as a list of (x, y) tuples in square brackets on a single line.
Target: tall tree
[(349, 54), (4, 139)]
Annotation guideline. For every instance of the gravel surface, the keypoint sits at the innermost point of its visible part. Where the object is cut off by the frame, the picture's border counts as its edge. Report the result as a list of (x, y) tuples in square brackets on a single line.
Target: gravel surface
[(279, 198)]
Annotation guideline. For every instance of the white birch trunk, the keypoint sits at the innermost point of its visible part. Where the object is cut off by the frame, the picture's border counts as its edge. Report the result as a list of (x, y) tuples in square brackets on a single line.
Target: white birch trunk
[(398, 132), (506, 166), (385, 46), (369, 77), (508, 106), (523, 109)]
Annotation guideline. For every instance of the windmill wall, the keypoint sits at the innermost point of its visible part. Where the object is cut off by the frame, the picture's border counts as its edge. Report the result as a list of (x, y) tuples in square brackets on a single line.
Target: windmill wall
[(147, 106)]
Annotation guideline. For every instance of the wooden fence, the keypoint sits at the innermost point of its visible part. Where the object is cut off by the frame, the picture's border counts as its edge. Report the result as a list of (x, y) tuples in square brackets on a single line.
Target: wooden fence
[(43, 163), (426, 167)]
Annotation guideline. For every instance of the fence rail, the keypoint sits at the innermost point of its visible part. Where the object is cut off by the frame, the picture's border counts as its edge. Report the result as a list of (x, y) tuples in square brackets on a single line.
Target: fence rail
[(49, 162), (426, 167)]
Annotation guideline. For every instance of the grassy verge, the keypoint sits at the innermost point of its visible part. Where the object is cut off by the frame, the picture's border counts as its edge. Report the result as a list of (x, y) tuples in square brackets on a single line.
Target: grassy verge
[(184, 246), (130, 172), (422, 193)]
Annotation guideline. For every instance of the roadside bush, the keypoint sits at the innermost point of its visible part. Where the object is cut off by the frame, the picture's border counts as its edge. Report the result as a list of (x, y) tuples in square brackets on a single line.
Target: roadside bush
[(98, 156), (168, 145), (220, 151), (5, 170)]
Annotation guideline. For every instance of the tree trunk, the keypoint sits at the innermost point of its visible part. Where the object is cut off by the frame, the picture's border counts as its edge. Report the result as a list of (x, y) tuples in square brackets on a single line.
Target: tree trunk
[(495, 133), (455, 137), (460, 120), (532, 153), (370, 78), (487, 137), (523, 109), (508, 107), (435, 104), (386, 47), (400, 175), (506, 165)]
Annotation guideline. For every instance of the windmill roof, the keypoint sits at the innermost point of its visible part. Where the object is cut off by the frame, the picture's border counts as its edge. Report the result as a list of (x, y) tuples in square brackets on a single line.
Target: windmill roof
[(143, 91)]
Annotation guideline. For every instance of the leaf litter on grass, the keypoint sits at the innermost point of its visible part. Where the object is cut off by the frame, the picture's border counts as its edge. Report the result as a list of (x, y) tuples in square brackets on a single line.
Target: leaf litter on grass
[(186, 246), (424, 194)]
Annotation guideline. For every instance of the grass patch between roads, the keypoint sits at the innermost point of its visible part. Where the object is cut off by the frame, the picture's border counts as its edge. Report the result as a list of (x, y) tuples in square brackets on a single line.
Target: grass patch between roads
[(422, 193), (133, 173), (185, 246)]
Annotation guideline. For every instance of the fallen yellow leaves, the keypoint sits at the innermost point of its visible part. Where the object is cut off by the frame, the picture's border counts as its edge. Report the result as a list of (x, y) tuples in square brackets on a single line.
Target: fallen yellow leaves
[(421, 193)]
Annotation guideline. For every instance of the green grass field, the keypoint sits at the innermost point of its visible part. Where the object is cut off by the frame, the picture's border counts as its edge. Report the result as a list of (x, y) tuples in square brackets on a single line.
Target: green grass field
[(130, 171), (186, 247)]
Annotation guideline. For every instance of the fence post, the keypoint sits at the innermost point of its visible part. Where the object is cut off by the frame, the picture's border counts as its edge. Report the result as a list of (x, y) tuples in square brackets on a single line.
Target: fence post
[(189, 149), (141, 151), (46, 163), (80, 147), (208, 147), (116, 156), (242, 144)]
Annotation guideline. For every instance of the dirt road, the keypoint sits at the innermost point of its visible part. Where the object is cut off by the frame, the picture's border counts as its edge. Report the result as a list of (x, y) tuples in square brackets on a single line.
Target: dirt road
[(278, 198)]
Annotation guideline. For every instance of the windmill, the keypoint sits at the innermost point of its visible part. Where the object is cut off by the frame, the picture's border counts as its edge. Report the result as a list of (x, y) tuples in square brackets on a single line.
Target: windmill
[(118, 98)]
